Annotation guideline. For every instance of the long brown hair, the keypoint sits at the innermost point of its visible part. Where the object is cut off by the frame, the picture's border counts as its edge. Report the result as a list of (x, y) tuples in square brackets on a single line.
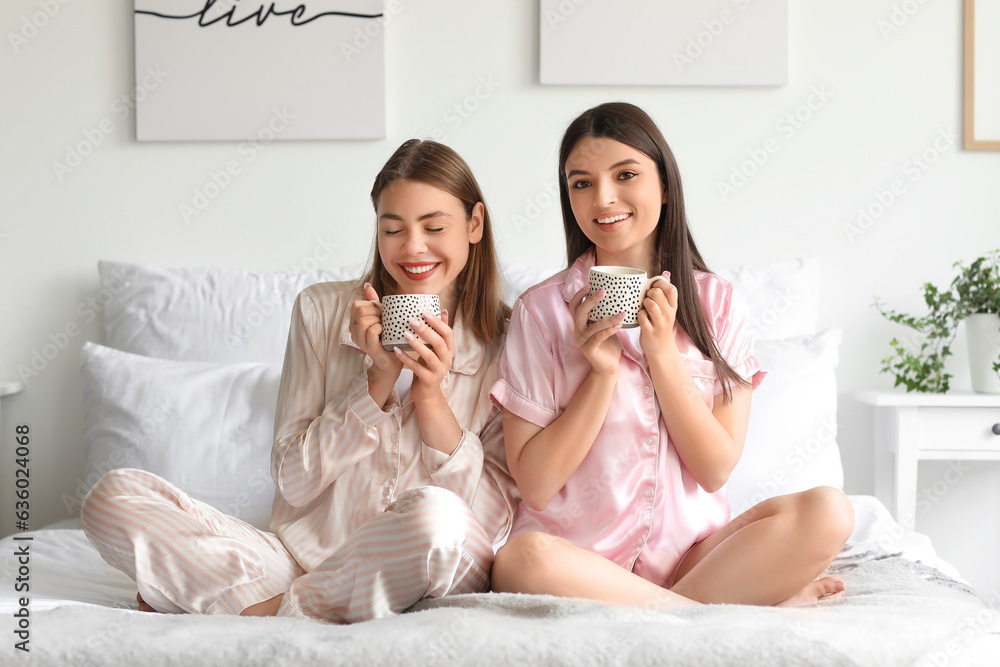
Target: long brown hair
[(478, 285), (674, 246)]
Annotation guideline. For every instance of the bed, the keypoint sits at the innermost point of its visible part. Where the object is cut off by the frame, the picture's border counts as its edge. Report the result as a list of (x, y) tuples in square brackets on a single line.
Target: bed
[(185, 384)]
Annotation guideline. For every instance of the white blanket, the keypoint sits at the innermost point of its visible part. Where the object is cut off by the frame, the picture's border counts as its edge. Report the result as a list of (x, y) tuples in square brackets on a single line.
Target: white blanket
[(896, 612)]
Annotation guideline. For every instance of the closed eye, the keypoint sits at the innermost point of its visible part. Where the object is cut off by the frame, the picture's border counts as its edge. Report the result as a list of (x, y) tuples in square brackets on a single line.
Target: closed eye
[(435, 229)]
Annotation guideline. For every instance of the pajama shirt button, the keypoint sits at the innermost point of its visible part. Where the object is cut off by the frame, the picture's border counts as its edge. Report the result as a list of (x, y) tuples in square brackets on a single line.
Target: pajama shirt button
[(651, 440), (648, 493), (646, 389), (639, 541)]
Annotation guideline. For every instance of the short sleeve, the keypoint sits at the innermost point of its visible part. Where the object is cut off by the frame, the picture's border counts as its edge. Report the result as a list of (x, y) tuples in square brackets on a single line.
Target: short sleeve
[(526, 384), (730, 317)]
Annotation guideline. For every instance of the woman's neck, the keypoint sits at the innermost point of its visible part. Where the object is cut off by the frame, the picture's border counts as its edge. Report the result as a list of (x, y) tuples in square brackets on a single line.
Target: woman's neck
[(449, 302)]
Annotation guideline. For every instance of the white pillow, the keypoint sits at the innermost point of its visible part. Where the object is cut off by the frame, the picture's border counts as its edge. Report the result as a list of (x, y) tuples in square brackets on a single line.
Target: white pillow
[(791, 442), (217, 315), (783, 296), (208, 428)]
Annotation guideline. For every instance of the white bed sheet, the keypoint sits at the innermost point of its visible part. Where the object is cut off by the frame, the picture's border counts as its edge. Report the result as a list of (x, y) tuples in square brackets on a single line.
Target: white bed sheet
[(67, 572)]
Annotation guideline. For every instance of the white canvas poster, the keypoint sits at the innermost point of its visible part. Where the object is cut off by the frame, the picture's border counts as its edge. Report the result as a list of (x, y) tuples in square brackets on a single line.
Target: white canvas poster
[(237, 69), (664, 42)]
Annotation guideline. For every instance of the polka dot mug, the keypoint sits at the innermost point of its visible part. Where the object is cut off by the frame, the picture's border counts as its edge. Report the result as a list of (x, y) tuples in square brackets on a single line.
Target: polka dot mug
[(398, 309), (624, 290)]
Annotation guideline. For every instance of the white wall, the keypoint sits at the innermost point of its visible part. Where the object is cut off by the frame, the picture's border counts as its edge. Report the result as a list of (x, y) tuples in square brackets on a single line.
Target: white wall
[(884, 99)]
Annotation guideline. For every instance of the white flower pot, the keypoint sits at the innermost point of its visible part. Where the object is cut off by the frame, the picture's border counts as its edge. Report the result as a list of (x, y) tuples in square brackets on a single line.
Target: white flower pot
[(983, 331)]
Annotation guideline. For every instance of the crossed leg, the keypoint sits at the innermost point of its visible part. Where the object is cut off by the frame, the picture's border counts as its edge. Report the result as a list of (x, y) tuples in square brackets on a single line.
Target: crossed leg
[(769, 555), (772, 553)]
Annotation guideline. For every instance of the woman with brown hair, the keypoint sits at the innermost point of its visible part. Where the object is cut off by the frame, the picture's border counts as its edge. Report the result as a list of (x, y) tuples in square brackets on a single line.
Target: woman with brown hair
[(389, 467), (622, 440)]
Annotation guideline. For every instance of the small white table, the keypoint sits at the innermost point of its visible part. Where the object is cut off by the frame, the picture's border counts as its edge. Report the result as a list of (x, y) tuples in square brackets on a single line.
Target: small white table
[(913, 427)]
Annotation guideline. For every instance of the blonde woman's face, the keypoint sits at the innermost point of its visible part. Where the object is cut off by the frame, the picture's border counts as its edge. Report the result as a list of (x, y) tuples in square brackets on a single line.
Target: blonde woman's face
[(424, 237)]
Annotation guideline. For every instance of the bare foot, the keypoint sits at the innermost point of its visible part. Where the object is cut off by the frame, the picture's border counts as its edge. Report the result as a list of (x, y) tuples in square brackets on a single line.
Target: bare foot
[(265, 608), (827, 588), (142, 604)]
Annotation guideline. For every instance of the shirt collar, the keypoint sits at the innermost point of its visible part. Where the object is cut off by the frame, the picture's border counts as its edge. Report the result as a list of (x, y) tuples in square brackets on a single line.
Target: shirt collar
[(578, 276), (470, 350)]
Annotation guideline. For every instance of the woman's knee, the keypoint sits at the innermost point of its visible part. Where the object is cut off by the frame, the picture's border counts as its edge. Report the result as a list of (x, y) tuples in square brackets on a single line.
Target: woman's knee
[(827, 514), (438, 519), (525, 560), (113, 489), (109, 486)]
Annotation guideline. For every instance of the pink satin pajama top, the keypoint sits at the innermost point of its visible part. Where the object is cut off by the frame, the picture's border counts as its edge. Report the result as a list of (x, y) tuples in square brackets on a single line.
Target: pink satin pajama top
[(631, 500)]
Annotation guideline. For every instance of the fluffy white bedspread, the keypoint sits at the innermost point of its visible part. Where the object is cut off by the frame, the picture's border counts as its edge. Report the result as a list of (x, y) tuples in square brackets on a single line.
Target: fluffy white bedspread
[(897, 612)]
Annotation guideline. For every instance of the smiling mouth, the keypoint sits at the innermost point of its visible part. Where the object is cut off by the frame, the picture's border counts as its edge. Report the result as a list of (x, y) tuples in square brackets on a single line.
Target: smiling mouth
[(423, 268), (613, 218)]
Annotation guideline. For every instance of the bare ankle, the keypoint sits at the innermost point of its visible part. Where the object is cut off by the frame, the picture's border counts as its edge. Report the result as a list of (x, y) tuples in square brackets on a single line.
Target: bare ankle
[(265, 608)]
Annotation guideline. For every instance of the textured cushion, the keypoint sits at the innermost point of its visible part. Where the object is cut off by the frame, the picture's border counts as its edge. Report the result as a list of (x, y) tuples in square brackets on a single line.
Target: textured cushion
[(217, 315)]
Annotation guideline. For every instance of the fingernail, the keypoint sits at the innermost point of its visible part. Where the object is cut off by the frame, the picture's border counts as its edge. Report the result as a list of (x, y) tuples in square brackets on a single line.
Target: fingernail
[(397, 350), (444, 313), (620, 316), (408, 336), (367, 285), (414, 322)]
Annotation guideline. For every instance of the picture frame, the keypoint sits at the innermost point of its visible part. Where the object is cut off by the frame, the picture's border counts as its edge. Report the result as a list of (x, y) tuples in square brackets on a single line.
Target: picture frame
[(981, 72)]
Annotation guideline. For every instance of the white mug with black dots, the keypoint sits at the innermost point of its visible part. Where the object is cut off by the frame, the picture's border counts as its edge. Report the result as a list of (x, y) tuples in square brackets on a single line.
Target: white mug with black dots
[(398, 309), (624, 290)]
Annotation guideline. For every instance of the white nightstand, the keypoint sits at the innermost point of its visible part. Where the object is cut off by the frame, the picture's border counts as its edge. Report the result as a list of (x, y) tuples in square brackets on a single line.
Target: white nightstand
[(916, 427)]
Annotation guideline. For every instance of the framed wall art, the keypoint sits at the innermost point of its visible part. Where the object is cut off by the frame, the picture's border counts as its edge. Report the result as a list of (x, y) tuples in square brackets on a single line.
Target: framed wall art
[(239, 69), (664, 42), (981, 123)]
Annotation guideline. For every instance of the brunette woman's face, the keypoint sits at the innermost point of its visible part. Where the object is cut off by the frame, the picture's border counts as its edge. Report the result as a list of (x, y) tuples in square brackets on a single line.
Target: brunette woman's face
[(424, 237), (616, 197)]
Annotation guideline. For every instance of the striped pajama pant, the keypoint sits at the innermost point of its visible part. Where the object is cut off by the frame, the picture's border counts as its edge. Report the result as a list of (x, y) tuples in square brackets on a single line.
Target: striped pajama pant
[(186, 556)]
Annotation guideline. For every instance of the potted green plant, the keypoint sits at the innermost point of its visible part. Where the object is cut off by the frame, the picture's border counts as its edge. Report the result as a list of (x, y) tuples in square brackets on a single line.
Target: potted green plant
[(973, 296)]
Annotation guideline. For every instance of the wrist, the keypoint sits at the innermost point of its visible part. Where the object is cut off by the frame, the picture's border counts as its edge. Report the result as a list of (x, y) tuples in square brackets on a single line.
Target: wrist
[(384, 368)]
